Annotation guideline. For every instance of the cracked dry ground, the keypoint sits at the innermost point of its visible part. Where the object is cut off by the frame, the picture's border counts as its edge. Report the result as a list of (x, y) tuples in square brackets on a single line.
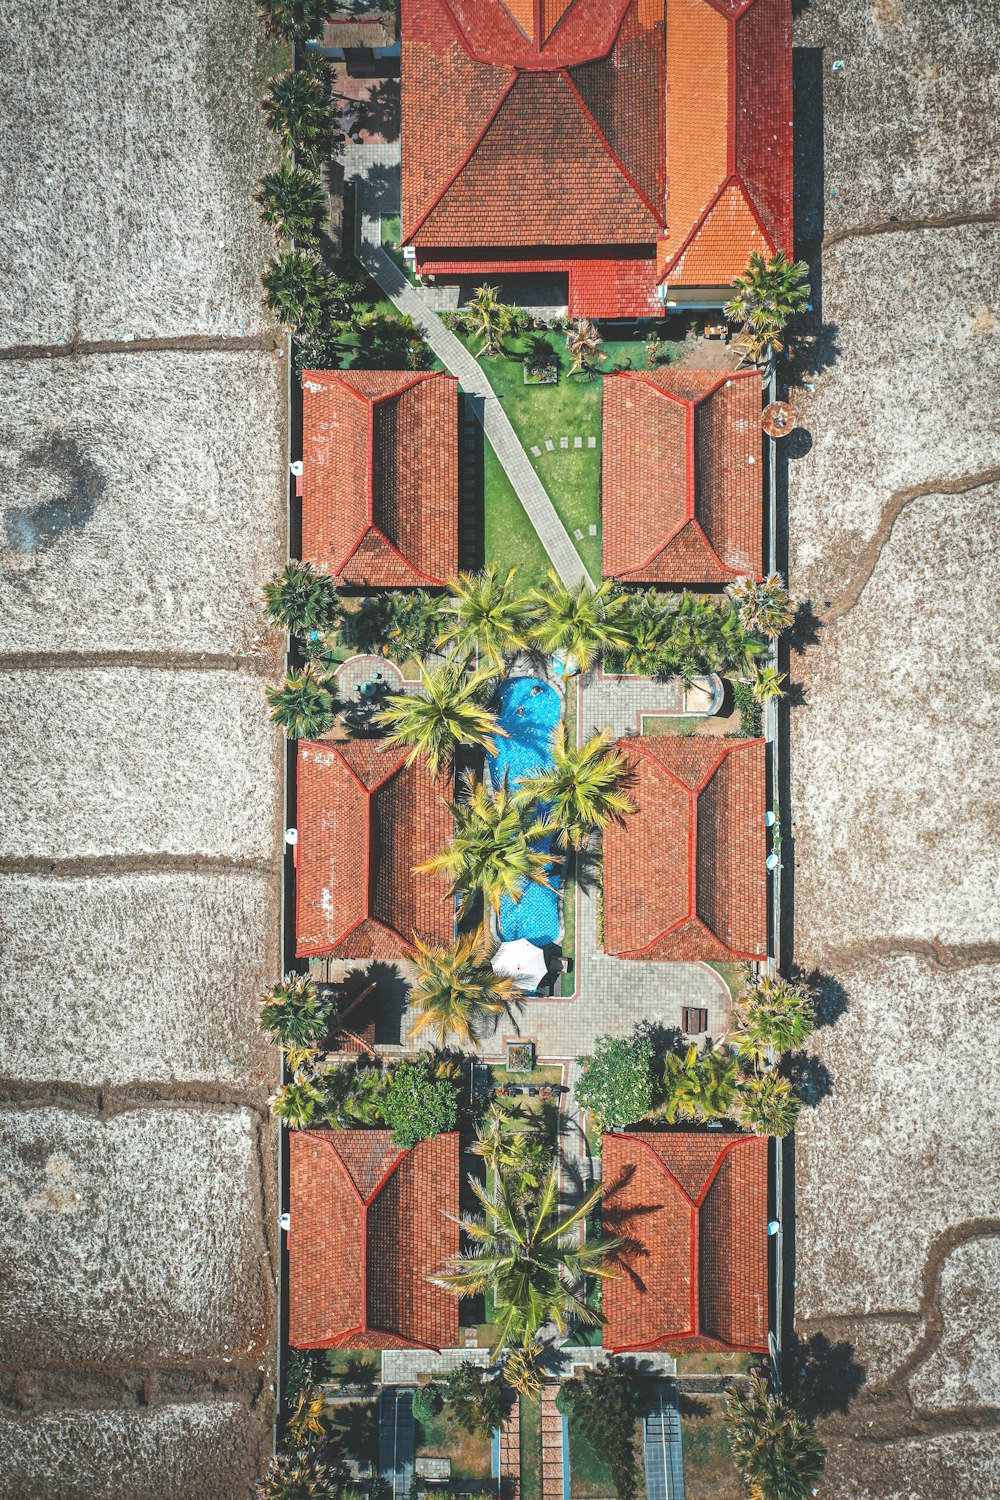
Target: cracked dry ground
[(141, 508), (893, 492)]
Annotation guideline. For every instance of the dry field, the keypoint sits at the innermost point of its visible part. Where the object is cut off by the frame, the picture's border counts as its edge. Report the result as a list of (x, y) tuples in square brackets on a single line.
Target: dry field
[(142, 505), (893, 503)]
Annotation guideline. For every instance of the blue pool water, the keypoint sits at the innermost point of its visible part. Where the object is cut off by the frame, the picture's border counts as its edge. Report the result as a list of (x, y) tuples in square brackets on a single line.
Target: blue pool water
[(529, 711)]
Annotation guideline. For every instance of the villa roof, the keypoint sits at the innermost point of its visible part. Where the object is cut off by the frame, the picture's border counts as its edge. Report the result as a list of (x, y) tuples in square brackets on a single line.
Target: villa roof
[(368, 1225), (684, 878), (607, 130), (680, 476), (365, 818), (692, 1211), (380, 476)]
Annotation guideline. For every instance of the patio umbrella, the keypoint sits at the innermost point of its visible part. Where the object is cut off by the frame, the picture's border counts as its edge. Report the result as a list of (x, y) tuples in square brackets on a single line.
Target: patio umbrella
[(523, 961)]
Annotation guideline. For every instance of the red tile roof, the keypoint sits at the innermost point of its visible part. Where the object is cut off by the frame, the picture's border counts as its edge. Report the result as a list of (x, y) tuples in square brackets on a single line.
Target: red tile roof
[(599, 130), (684, 878), (365, 818), (692, 1210), (599, 287), (368, 1225), (680, 498), (380, 472)]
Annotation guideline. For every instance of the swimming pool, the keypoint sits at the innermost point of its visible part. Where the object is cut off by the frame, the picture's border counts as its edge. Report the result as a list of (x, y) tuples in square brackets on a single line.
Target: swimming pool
[(529, 710)]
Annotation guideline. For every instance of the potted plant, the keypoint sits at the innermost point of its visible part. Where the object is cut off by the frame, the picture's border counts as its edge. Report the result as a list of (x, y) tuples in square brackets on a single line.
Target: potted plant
[(519, 1057)]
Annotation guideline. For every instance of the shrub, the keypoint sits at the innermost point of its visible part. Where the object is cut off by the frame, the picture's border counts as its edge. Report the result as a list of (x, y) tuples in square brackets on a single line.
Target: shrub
[(616, 1084), (748, 708), (296, 289), (300, 1478), (605, 1405), (478, 1401), (292, 203), (774, 1444), (292, 1014), (298, 109), (427, 1402), (296, 20), (302, 706), (417, 1104), (299, 599)]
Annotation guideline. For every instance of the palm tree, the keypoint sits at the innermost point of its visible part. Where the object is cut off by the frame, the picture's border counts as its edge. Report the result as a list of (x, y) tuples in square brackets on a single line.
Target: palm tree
[(292, 203), (767, 1105), (292, 1013), (485, 614), (582, 791), (297, 107), (457, 989), (578, 621), (299, 599), (646, 619), (295, 1103), (296, 20), (522, 1369), (526, 1257), (302, 705), (295, 289), (584, 343), (522, 1157), (489, 319), (446, 714), (764, 298), (764, 604), (776, 1017), (492, 852), (768, 683), (774, 1444), (699, 1086)]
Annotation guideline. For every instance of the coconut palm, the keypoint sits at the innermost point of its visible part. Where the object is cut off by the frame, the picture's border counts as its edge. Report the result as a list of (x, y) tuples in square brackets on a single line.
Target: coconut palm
[(295, 289), (522, 1369), (764, 298), (774, 1444), (292, 203), (295, 1103), (293, 1013), (767, 1105), (299, 599), (484, 613), (457, 989), (775, 1017), (763, 604), (768, 683), (646, 619), (492, 853), (528, 1260), (699, 1085), (584, 343), (582, 791), (578, 621), (302, 706), (298, 109), (447, 713), (489, 319)]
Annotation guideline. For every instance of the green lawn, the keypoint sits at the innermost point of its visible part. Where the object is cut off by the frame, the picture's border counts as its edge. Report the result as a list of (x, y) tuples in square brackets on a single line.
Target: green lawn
[(589, 1473), (733, 976), (529, 1110), (510, 540), (531, 1450), (442, 1437), (672, 723), (709, 1471)]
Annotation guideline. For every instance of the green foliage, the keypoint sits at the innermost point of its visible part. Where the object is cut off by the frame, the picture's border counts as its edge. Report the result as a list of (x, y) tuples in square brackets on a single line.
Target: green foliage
[(491, 320), (605, 1404), (748, 708), (522, 1157), (427, 1402), (584, 343), (764, 298), (295, 1103), (699, 1085), (764, 605), (682, 635), (293, 1014), (484, 613), (350, 1094), (298, 109), (774, 1443), (390, 341), (446, 713), (767, 1105), (292, 203), (301, 1477), (768, 683), (299, 1374), (583, 790), (294, 20), (302, 706), (300, 599), (457, 989), (401, 624), (616, 1082), (579, 621), (296, 289), (774, 1016), (478, 1401), (418, 1104)]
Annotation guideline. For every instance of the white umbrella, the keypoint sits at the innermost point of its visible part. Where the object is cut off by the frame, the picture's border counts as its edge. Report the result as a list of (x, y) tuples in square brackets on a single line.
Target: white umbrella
[(523, 961)]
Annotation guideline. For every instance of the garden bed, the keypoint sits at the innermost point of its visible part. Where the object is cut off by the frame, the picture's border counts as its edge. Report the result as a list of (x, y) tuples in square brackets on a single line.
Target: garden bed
[(709, 1471), (530, 1111), (531, 1450), (442, 1437)]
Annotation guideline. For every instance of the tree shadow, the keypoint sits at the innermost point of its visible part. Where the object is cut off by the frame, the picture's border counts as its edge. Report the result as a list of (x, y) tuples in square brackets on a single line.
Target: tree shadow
[(586, 868), (663, 1039), (830, 1000), (825, 1377), (795, 695), (806, 628), (382, 189), (797, 444), (810, 1077), (379, 112)]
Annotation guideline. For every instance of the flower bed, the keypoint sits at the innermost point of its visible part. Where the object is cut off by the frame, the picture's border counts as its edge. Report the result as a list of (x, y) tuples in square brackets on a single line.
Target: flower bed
[(540, 374), (520, 1057)]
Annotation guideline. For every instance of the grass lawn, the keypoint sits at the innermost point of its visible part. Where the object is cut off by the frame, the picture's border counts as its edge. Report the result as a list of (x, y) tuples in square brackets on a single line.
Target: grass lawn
[(589, 1473), (714, 1363), (567, 982), (709, 1472), (733, 975), (527, 1109), (442, 1437), (673, 723), (357, 1366), (531, 1450), (510, 540)]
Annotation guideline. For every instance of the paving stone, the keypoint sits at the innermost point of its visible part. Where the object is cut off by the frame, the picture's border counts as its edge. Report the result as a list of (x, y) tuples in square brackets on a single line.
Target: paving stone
[(564, 442), (536, 450), (578, 534), (578, 442), (592, 529), (591, 442), (549, 445)]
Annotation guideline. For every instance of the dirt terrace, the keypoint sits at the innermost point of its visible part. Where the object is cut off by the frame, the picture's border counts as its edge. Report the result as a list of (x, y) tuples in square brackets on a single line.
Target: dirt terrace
[(893, 489), (142, 493)]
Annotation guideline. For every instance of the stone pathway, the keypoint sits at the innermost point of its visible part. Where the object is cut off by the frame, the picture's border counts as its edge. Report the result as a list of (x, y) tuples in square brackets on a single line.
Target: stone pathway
[(552, 1446), (510, 1455), (375, 171)]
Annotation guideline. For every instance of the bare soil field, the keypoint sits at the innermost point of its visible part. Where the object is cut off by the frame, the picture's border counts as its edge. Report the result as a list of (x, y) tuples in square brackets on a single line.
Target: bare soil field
[(892, 504)]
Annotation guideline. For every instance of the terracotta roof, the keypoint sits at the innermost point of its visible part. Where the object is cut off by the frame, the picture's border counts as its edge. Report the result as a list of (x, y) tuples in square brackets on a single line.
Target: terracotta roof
[(692, 1210), (684, 878), (364, 820), (729, 137), (680, 497), (368, 1225), (380, 476), (599, 287)]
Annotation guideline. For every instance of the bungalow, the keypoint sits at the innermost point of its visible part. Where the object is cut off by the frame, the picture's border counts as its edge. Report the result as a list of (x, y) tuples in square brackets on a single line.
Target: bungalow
[(368, 1223), (691, 1208), (380, 476), (365, 818), (680, 476), (638, 149), (685, 878)]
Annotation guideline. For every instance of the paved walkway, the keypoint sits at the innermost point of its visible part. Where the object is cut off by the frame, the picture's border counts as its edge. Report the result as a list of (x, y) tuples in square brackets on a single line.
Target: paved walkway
[(510, 1455), (552, 1446), (375, 171)]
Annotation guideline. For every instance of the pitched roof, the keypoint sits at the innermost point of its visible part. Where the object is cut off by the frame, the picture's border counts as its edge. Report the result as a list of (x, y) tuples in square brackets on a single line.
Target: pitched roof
[(692, 1210), (729, 137), (684, 878), (368, 1225), (680, 476), (380, 476), (365, 818)]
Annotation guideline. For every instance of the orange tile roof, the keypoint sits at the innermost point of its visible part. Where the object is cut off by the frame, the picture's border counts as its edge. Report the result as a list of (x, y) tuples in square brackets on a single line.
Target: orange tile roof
[(380, 476), (684, 878), (365, 818), (368, 1225), (692, 1210), (680, 499)]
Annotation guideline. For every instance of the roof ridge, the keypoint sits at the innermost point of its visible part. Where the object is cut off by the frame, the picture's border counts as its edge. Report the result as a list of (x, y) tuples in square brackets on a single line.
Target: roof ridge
[(515, 73), (611, 152)]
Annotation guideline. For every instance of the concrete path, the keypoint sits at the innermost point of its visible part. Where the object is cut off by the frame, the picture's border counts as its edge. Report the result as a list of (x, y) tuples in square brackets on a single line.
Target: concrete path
[(552, 1446), (376, 180), (510, 1455)]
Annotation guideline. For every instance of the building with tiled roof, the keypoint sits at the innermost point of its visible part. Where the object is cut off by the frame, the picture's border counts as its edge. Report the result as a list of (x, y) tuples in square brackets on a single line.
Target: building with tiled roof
[(380, 476), (365, 819), (368, 1224), (684, 876), (691, 1209), (623, 143), (680, 476)]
